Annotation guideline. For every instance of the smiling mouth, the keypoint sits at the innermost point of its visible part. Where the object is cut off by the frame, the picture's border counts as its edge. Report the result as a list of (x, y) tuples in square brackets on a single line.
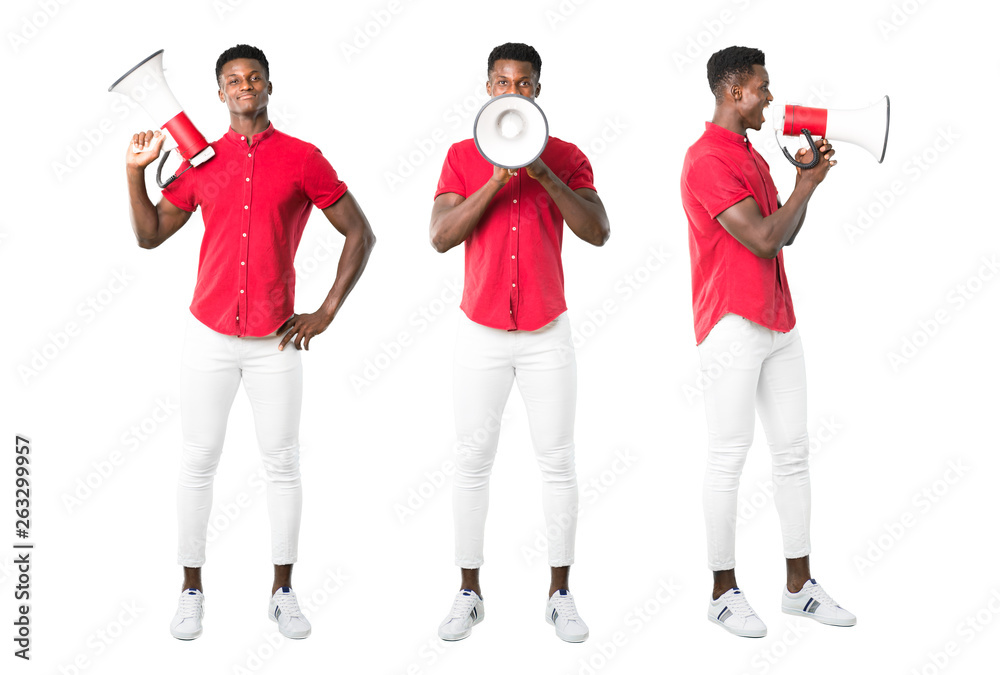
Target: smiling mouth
[(243, 96)]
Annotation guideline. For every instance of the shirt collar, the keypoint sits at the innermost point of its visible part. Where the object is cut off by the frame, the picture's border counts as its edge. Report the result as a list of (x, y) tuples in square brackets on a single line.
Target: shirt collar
[(725, 134), (239, 139)]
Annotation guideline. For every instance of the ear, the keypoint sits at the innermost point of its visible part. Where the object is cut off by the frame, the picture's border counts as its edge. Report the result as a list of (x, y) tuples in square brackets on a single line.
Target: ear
[(222, 97), (538, 89), (489, 88), (269, 87), (736, 91)]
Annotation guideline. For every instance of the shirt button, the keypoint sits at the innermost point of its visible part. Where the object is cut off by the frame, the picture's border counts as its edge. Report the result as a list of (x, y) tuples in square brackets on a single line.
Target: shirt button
[(512, 285), (512, 257), (241, 290), (248, 179), (513, 228), (515, 173), (249, 155), (242, 262), (243, 138), (244, 234), (515, 201), (246, 207)]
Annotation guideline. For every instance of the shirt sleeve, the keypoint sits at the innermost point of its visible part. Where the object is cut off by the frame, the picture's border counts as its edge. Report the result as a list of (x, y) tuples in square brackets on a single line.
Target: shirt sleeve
[(319, 180), (582, 175), (716, 185), (451, 179), (181, 193)]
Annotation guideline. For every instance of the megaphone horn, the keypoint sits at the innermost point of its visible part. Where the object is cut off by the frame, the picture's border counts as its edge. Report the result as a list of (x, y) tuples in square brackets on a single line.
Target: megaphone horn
[(146, 85), (865, 127), (510, 131)]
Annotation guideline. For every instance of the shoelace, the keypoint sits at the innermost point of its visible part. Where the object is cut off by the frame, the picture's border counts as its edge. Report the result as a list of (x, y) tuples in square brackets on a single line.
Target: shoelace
[(739, 606), (819, 595), (462, 606), (189, 606), (288, 604), (566, 607)]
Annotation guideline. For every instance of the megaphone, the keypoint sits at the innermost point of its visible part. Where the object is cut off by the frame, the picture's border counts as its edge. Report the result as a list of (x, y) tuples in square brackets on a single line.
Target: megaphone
[(146, 85), (510, 131), (866, 127)]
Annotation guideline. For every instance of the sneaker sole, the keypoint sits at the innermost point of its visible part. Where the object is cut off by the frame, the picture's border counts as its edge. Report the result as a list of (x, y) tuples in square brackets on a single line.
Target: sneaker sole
[(739, 631), (464, 634), (565, 636), (185, 636), (843, 623)]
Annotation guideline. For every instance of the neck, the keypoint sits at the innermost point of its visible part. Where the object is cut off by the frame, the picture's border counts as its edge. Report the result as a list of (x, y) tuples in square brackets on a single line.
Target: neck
[(248, 125), (727, 118)]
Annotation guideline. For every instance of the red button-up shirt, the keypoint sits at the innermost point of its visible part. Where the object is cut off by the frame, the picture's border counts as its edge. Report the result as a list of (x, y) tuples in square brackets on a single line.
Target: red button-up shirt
[(513, 257), (255, 201), (721, 169)]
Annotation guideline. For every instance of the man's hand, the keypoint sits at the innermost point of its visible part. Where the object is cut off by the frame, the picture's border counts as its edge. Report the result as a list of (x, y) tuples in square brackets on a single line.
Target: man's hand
[(537, 169), (818, 172), (303, 327), (150, 142), (501, 175)]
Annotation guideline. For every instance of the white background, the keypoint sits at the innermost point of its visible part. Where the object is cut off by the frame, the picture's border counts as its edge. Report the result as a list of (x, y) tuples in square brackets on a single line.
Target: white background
[(626, 82)]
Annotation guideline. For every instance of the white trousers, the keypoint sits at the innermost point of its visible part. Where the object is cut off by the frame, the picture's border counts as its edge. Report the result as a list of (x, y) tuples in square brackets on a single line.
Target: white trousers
[(212, 367), (747, 367), (487, 361)]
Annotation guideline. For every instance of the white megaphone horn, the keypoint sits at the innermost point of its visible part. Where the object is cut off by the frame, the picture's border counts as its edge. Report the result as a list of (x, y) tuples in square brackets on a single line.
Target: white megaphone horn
[(146, 85), (510, 131), (865, 127)]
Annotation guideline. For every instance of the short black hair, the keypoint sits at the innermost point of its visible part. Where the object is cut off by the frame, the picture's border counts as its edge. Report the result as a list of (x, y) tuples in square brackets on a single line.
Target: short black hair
[(515, 51), (241, 52), (731, 63)]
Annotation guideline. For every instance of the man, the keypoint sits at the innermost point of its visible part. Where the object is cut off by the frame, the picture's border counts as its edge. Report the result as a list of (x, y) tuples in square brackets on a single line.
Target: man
[(256, 195), (515, 327), (742, 308)]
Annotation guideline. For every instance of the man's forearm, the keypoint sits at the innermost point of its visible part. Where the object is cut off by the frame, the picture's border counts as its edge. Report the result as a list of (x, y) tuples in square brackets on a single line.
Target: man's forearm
[(785, 223), (798, 227), (586, 219), (802, 218), (353, 259), (456, 224), (142, 212)]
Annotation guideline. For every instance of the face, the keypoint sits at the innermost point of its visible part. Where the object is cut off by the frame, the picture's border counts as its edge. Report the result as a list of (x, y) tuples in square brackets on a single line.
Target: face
[(243, 87), (513, 77), (752, 97)]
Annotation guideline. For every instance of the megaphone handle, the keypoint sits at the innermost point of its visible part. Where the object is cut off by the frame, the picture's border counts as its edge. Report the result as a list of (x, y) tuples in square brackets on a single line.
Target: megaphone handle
[(159, 170), (812, 146)]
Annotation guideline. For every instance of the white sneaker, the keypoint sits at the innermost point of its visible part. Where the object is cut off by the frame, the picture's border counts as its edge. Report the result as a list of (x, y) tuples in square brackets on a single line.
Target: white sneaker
[(812, 601), (561, 613), (734, 613), (466, 611), (186, 624), (284, 609)]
